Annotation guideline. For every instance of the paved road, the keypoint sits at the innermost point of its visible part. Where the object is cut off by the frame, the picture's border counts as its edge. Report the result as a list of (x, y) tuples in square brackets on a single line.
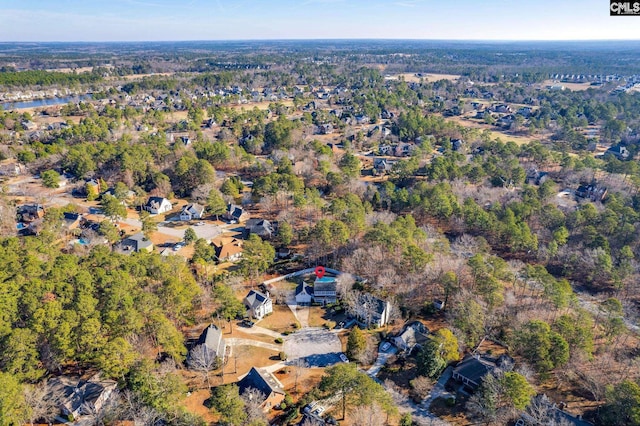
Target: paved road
[(317, 346), (207, 231), (381, 360)]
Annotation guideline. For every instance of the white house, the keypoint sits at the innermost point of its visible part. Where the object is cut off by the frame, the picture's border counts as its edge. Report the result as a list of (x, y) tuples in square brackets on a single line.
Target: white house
[(304, 294), (258, 304), (191, 212), (158, 205)]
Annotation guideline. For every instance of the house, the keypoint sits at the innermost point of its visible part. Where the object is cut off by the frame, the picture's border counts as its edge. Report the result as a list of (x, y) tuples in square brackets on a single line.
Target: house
[(472, 370), (158, 205), (235, 212), (501, 108), (136, 243), (304, 294), (457, 144), (325, 290), (414, 334), (30, 212), (261, 227), (525, 111), (620, 152), (592, 192), (381, 166), (12, 169), (537, 177), (71, 221), (191, 212), (266, 384), (258, 304), (79, 398), (371, 311), (228, 249), (214, 344)]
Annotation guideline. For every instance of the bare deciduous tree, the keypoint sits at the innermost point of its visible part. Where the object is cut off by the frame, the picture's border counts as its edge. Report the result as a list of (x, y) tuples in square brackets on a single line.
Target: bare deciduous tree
[(204, 360), (43, 401), (370, 415), (253, 399)]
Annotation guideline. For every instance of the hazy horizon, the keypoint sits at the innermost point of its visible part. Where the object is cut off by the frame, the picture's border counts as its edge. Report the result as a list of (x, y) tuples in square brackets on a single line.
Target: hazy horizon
[(247, 20)]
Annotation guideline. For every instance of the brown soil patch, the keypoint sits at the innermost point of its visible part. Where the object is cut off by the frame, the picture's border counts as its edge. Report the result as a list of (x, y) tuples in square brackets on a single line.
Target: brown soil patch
[(569, 86), (504, 136), (280, 320), (194, 403), (429, 78)]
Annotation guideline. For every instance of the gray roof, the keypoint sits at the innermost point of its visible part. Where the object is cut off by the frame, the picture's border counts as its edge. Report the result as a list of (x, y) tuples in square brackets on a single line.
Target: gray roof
[(194, 207), (155, 202), (235, 211), (78, 396), (255, 299), (138, 241), (474, 368), (211, 337)]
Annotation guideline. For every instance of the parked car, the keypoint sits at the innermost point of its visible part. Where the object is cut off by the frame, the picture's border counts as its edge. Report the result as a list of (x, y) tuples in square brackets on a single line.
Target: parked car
[(344, 358), (248, 323), (318, 410), (178, 246), (340, 324), (385, 346), (199, 224)]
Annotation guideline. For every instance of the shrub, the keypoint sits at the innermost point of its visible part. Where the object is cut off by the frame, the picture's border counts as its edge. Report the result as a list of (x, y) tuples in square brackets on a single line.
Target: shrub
[(282, 356), (279, 340)]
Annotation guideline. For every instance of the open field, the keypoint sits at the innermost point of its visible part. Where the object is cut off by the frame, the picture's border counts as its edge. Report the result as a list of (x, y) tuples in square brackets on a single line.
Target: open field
[(427, 77), (569, 86), (504, 136)]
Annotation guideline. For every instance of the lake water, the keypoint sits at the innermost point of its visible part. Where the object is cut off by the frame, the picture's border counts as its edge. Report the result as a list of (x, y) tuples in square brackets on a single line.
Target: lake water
[(43, 102)]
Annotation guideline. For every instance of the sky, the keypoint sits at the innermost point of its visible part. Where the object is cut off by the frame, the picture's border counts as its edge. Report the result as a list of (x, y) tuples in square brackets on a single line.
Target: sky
[(168, 20)]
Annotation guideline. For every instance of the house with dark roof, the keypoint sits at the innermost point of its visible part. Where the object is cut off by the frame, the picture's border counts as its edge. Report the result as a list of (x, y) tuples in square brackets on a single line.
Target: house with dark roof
[(235, 212), (79, 398), (258, 304), (135, 243), (536, 177), (213, 342), (71, 221), (304, 294), (592, 192), (269, 387), (158, 205), (30, 212), (618, 151), (191, 212), (381, 166), (325, 290), (472, 370), (261, 227)]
